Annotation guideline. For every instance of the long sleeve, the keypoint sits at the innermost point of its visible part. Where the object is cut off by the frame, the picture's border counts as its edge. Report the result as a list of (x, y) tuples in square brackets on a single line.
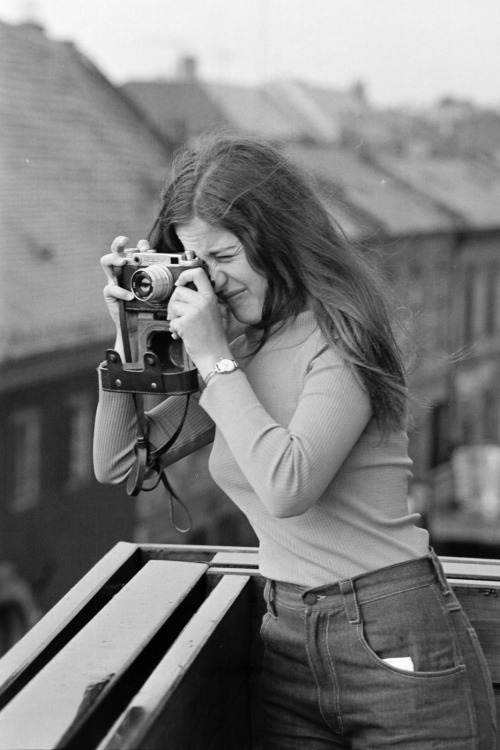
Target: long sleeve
[(115, 433)]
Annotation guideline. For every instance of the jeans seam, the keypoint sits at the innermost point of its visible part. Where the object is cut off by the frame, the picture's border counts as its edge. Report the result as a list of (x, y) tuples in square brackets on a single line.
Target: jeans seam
[(265, 623), (396, 593), (305, 614), (451, 629), (486, 677), (333, 674)]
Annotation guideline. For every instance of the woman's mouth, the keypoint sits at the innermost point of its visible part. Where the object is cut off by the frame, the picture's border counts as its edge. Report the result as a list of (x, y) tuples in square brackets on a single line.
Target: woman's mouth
[(228, 297)]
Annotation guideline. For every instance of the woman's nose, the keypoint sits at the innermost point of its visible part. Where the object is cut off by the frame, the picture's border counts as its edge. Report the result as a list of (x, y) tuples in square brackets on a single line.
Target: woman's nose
[(218, 278)]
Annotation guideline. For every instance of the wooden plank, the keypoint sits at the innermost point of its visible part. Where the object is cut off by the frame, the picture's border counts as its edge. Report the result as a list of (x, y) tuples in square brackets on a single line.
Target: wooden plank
[(222, 571), (240, 559), (60, 696), (32, 652), (190, 552), (463, 567), (198, 683)]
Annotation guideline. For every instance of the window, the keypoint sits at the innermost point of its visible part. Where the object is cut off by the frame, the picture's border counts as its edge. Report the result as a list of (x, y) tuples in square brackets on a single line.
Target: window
[(440, 434), (26, 430), (482, 298), (81, 424), (496, 300), (490, 418), (479, 311)]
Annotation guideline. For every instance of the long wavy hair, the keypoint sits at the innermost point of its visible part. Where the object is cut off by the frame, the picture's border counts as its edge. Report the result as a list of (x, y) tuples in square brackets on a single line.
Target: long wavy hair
[(247, 186)]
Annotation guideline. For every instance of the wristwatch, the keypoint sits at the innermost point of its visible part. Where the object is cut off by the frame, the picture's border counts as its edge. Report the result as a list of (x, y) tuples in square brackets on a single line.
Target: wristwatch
[(222, 367)]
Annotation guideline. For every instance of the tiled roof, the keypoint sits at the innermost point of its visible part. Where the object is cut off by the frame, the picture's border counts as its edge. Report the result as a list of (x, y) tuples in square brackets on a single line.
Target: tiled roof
[(373, 198), (469, 188), (178, 109), (254, 110), (300, 108), (78, 167), (186, 108), (335, 103)]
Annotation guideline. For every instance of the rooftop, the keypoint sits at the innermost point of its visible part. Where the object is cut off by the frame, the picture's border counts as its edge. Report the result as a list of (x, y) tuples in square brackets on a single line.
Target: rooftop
[(79, 166)]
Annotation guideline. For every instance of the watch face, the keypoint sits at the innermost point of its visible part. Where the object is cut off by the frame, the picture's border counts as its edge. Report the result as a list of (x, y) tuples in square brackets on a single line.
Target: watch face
[(226, 365)]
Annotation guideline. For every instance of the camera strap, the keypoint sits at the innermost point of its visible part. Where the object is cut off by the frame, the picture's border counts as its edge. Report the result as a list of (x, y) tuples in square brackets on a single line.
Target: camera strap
[(146, 459), (136, 477)]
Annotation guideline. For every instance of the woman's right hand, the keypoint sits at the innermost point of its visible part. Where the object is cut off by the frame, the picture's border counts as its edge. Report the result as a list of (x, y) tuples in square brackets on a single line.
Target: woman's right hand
[(110, 262)]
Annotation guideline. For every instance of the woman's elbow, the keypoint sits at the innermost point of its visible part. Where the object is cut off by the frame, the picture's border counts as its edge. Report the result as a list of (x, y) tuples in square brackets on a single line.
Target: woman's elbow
[(109, 473), (286, 507), (105, 476)]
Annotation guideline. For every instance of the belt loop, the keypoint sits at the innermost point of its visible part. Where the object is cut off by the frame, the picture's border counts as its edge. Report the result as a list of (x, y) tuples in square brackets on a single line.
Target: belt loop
[(436, 562), (350, 601)]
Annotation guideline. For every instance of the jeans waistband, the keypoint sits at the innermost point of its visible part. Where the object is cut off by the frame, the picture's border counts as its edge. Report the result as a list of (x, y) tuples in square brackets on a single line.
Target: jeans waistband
[(352, 592)]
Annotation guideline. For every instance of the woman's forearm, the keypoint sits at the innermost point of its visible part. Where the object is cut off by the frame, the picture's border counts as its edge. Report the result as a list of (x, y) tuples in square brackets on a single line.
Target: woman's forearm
[(116, 432)]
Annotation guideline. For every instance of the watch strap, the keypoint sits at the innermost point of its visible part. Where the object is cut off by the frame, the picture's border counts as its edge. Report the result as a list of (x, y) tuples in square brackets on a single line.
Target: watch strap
[(221, 368)]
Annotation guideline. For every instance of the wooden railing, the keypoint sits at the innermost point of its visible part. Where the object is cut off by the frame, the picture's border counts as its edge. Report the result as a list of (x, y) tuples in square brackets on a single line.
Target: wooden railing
[(158, 647)]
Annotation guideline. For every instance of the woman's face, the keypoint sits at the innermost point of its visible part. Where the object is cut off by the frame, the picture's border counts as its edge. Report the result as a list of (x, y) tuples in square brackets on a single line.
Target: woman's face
[(236, 283)]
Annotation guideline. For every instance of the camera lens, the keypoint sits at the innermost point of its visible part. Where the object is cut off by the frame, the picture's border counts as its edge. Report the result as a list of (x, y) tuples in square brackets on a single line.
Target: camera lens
[(152, 284)]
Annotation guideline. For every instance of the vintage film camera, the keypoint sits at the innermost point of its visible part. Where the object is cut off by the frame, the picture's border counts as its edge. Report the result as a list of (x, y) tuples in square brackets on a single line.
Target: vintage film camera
[(160, 365)]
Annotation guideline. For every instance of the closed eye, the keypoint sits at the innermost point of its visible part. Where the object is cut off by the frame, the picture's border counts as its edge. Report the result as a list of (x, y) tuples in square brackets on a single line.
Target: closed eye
[(228, 254)]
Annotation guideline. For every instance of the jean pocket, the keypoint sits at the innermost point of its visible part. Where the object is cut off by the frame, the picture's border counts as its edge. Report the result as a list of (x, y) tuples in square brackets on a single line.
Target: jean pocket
[(413, 624)]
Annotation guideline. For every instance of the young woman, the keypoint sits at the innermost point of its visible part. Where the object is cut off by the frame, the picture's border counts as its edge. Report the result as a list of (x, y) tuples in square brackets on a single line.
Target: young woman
[(366, 645)]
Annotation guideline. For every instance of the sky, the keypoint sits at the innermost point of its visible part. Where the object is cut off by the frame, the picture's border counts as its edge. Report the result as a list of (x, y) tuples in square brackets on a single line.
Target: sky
[(406, 52)]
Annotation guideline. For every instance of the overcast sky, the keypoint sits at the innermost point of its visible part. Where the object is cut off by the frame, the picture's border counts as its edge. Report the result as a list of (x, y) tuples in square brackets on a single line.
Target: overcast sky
[(406, 51)]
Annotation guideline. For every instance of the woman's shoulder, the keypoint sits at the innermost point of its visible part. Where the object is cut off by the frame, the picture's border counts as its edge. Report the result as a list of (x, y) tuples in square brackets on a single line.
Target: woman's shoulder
[(302, 334)]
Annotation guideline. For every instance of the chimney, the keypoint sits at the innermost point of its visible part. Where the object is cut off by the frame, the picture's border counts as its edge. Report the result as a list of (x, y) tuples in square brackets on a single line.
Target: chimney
[(186, 68)]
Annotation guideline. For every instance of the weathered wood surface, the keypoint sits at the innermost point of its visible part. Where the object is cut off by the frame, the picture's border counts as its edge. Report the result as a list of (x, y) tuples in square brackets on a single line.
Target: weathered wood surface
[(79, 605), (200, 687), (97, 660)]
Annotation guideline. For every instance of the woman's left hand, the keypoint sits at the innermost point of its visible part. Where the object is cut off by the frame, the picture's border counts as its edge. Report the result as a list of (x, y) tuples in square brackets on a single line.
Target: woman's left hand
[(196, 317)]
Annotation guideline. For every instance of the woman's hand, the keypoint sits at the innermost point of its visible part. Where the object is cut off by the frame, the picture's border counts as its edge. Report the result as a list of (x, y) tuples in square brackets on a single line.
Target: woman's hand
[(196, 317), (113, 292), (110, 262)]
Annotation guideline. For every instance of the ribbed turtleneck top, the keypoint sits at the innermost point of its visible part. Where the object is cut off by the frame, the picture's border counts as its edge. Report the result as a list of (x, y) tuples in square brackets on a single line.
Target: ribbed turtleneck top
[(297, 448)]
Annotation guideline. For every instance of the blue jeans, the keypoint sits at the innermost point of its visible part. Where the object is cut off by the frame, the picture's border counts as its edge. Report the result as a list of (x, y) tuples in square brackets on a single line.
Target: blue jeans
[(329, 679)]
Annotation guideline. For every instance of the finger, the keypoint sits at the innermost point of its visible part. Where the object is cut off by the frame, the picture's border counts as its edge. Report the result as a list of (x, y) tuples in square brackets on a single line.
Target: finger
[(199, 278), (119, 244), (174, 330), (143, 246), (109, 262), (185, 294), (178, 309), (113, 291)]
